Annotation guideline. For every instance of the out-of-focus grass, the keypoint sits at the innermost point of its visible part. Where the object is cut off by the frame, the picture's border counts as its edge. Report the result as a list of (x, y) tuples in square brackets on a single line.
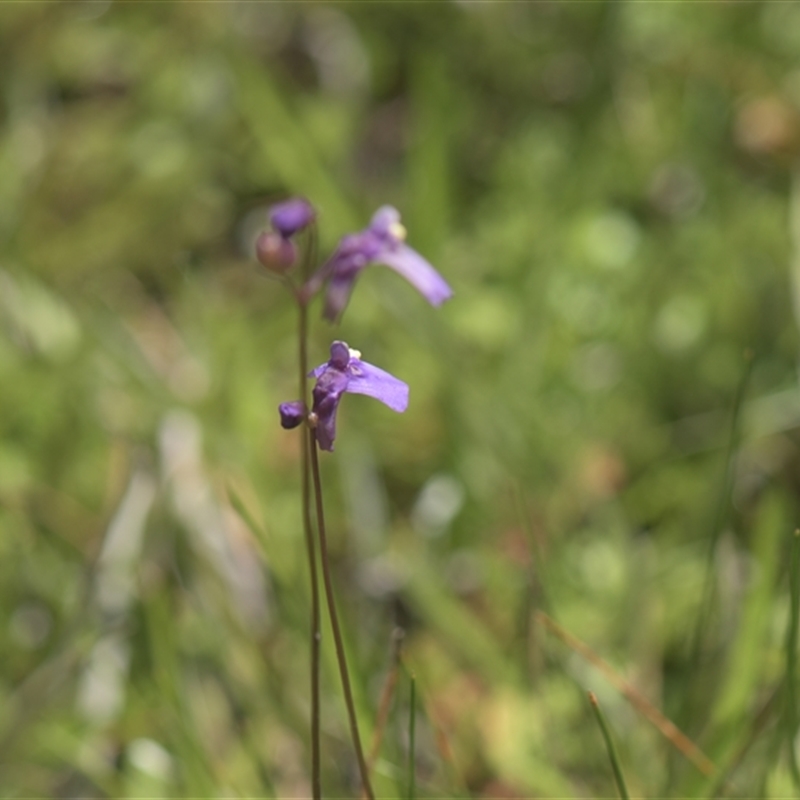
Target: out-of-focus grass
[(608, 188)]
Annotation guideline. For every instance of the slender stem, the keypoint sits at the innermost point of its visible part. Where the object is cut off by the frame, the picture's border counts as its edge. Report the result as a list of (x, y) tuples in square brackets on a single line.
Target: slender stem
[(791, 656), (612, 751), (721, 512), (316, 636), (766, 714), (412, 772), (387, 694), (665, 726), (337, 633)]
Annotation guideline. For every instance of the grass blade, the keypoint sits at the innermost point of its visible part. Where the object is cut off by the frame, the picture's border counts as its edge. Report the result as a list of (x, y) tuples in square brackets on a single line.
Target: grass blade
[(720, 515), (791, 657), (739, 681), (385, 702), (665, 726), (412, 719), (612, 751)]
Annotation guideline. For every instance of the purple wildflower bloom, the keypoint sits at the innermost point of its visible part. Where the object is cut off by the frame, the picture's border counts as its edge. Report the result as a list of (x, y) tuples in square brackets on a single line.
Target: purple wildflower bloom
[(292, 414), (291, 216), (383, 242), (346, 372)]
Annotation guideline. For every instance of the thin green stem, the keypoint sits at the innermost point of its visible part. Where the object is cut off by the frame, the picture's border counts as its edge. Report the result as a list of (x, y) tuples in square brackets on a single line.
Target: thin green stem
[(612, 751), (791, 656), (721, 511), (722, 782), (387, 694), (412, 714), (337, 633), (316, 636), (720, 517)]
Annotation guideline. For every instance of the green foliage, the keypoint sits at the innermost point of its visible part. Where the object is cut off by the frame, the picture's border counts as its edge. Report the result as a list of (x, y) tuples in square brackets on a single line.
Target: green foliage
[(609, 188)]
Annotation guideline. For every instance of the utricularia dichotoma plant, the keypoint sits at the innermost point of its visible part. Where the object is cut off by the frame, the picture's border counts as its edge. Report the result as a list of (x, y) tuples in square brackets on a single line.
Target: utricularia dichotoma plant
[(288, 250)]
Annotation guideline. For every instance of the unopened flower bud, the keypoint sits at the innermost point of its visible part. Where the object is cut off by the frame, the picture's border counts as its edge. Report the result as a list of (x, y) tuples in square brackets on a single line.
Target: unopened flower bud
[(292, 216), (275, 252), (292, 414)]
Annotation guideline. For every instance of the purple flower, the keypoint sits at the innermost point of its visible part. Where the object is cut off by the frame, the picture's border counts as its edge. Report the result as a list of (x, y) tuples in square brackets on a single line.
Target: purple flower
[(291, 216), (346, 372), (383, 242)]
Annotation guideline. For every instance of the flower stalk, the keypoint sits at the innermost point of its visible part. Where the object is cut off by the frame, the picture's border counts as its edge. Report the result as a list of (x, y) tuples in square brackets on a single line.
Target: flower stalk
[(316, 635), (334, 617), (277, 252), (382, 242)]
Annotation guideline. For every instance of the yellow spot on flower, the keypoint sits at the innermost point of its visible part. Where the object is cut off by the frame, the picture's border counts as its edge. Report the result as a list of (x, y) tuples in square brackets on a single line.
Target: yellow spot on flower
[(398, 231)]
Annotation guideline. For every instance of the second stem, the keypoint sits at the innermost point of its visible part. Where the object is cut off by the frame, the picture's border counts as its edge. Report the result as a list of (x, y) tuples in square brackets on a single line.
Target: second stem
[(337, 633), (307, 442)]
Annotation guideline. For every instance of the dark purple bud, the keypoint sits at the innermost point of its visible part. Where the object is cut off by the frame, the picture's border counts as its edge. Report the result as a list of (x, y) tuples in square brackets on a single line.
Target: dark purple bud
[(291, 216), (275, 252), (292, 414)]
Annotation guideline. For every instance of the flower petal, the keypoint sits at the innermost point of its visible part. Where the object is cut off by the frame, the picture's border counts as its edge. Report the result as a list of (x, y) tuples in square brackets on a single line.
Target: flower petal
[(341, 270), (337, 295), (327, 393), (374, 382), (325, 431), (417, 271)]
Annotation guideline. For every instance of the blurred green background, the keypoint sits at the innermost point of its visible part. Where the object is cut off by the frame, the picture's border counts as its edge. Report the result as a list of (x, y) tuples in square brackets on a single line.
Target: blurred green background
[(603, 421)]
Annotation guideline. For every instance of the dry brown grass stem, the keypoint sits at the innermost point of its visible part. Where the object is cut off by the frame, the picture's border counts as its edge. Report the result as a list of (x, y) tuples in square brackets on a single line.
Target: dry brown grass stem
[(385, 702), (666, 727)]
